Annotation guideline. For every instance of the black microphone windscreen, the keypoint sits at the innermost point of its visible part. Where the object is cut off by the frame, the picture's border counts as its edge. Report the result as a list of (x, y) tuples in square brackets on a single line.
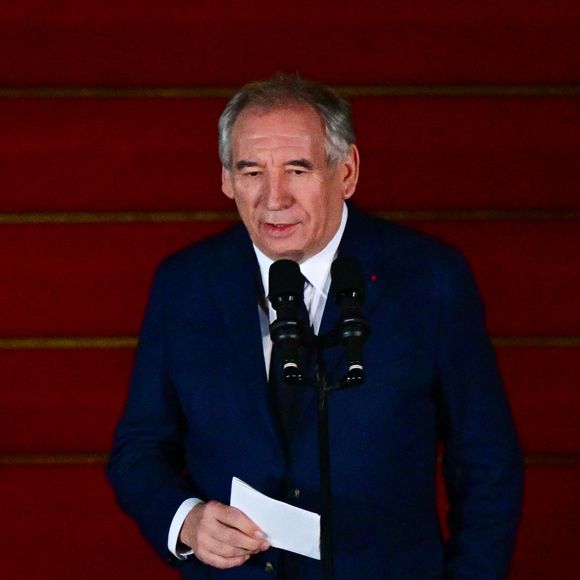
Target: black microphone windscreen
[(347, 276), (285, 278)]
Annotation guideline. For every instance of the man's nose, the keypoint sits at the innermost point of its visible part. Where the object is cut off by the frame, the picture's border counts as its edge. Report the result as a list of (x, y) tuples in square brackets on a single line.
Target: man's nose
[(277, 195)]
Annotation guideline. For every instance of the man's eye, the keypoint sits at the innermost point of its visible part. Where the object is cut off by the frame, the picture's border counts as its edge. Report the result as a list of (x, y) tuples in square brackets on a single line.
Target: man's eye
[(252, 173), (297, 171)]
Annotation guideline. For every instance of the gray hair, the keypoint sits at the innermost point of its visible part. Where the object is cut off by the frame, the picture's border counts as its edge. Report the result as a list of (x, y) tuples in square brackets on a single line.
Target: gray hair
[(283, 90)]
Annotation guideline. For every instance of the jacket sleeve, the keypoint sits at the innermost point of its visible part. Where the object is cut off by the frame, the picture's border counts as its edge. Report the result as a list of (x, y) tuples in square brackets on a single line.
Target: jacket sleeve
[(482, 464), (146, 466)]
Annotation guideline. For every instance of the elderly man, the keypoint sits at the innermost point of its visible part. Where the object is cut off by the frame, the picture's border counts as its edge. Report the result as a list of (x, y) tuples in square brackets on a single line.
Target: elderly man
[(201, 410)]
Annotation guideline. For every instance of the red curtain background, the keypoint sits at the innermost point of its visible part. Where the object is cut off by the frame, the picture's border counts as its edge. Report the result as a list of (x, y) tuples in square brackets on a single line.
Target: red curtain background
[(469, 128)]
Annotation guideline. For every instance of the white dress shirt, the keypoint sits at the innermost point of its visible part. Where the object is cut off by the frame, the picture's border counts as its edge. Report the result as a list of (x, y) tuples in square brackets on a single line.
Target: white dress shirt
[(316, 270)]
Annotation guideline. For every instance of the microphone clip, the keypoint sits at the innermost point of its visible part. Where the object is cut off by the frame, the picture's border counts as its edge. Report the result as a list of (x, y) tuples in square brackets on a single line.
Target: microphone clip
[(288, 335)]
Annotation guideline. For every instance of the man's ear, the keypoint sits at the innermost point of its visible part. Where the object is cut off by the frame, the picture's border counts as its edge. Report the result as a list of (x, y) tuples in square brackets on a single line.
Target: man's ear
[(350, 168), (227, 183)]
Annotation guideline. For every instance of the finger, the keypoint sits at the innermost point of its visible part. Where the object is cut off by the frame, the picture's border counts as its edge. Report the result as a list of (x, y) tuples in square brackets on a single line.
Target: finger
[(212, 546), (224, 563), (220, 554), (225, 549), (235, 538), (210, 530), (234, 518)]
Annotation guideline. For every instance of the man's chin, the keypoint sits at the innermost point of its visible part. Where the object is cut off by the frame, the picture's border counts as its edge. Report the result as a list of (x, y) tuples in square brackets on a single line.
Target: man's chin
[(284, 254), (295, 255)]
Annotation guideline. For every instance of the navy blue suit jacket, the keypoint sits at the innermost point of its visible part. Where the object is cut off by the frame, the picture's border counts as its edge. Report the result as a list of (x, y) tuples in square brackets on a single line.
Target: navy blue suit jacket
[(198, 412)]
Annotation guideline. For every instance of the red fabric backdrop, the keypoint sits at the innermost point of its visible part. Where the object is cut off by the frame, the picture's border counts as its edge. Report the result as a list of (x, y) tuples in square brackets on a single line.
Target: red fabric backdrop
[(469, 128)]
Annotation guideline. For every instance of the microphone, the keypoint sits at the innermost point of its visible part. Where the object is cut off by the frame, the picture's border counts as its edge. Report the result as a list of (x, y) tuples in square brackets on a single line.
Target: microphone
[(348, 286), (287, 331)]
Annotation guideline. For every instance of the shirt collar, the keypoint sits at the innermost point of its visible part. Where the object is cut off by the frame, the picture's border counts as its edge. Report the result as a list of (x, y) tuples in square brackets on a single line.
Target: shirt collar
[(316, 268)]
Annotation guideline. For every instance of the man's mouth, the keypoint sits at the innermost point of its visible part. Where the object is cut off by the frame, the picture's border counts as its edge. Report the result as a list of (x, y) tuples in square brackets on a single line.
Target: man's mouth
[(279, 229)]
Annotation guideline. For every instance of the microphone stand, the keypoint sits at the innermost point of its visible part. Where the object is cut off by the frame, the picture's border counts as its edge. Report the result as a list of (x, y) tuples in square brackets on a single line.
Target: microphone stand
[(326, 551), (323, 388), (287, 280)]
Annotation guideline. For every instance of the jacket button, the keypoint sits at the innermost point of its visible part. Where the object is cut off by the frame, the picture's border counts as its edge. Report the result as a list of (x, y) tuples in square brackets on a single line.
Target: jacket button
[(269, 567), (294, 493)]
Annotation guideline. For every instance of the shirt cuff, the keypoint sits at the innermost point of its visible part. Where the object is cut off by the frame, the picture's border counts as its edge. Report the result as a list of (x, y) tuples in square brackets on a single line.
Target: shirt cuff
[(175, 528)]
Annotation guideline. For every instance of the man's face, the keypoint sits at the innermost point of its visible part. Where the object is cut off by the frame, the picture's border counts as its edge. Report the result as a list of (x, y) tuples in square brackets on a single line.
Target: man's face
[(288, 195)]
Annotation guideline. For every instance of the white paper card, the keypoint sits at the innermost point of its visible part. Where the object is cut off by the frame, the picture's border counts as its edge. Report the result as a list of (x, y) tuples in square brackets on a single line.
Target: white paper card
[(285, 526)]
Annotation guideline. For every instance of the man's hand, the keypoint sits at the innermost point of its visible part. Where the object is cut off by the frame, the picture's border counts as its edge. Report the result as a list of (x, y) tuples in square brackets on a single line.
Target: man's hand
[(221, 535)]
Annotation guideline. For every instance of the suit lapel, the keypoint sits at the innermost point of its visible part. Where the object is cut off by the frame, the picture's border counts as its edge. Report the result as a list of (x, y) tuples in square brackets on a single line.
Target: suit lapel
[(238, 290), (356, 241)]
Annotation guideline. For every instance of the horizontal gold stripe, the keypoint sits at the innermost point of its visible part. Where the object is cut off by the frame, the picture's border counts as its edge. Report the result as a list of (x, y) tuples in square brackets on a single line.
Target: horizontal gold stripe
[(536, 341), (221, 216), (117, 217), (69, 342), (347, 90), (480, 215), (460, 90), (115, 342), (53, 459), (552, 459), (101, 458)]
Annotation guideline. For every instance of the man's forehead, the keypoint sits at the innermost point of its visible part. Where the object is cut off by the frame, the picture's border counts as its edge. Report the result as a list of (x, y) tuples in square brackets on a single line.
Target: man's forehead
[(285, 128), (291, 118)]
